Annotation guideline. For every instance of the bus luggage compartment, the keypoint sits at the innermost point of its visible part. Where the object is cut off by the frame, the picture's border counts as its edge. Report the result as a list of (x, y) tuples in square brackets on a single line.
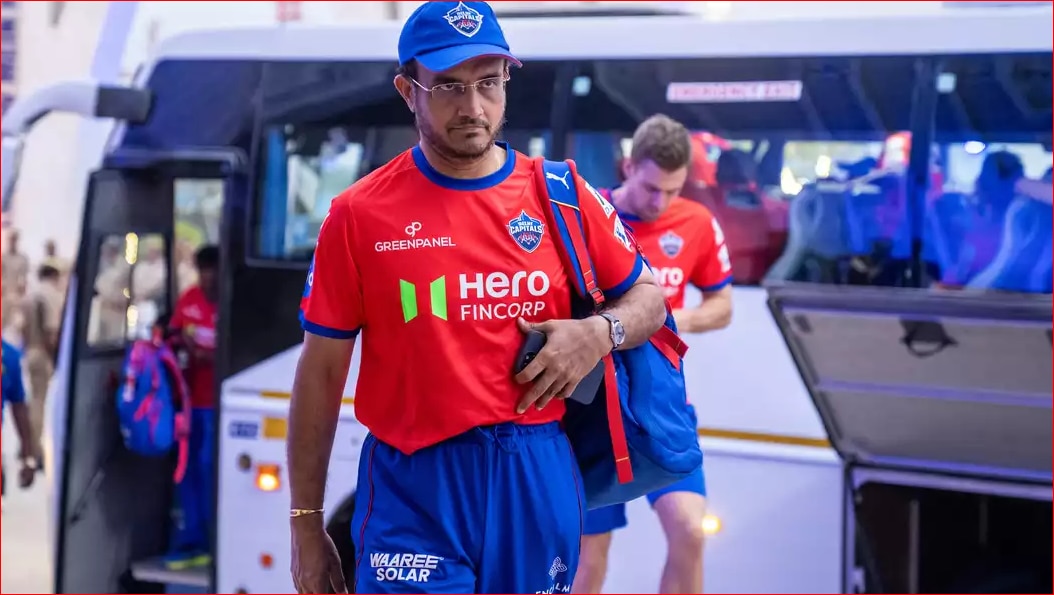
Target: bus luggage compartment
[(939, 404)]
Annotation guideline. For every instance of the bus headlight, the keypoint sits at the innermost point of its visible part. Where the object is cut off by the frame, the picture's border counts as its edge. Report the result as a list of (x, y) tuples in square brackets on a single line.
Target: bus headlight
[(267, 478), (711, 525)]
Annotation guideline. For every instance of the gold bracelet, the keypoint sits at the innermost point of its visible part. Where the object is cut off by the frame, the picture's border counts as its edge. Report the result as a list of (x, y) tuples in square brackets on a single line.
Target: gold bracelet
[(298, 512)]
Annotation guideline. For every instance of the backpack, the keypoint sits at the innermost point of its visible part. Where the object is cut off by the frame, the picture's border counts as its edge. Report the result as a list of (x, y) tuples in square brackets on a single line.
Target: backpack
[(147, 400), (651, 440)]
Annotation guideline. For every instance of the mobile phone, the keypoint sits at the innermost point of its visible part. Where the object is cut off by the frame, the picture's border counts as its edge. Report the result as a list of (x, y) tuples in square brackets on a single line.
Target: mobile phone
[(587, 389), (532, 345)]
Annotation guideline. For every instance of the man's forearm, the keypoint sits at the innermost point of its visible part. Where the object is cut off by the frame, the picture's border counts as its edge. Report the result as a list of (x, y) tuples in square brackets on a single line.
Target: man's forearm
[(642, 311), (711, 315), (313, 413)]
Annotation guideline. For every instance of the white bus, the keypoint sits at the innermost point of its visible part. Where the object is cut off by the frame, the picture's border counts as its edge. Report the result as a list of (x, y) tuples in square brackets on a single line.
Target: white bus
[(863, 432)]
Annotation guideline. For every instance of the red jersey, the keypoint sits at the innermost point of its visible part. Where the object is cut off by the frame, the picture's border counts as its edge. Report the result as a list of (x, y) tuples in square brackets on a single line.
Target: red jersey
[(435, 270), (195, 319), (684, 244)]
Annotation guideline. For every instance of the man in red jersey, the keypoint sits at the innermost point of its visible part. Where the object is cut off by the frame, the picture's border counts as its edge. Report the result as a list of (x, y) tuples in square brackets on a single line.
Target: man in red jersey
[(683, 243), (194, 319), (442, 259)]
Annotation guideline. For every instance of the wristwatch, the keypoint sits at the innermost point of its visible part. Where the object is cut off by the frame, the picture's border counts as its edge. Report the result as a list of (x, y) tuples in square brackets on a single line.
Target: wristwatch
[(616, 330)]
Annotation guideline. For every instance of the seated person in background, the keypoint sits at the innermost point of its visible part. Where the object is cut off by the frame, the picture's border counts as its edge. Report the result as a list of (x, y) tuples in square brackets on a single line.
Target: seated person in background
[(194, 323), (14, 396), (995, 189)]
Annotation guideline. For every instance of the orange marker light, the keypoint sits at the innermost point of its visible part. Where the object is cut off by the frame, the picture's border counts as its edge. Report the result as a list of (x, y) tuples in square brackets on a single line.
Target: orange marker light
[(267, 478)]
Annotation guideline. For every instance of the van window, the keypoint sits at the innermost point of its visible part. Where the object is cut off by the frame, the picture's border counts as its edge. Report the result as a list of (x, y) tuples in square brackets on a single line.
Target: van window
[(327, 125), (199, 210)]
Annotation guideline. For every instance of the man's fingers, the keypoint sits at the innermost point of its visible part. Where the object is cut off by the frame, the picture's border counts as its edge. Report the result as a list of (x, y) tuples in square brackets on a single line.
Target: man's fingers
[(555, 393), (336, 578), (541, 387), (531, 370), (544, 327)]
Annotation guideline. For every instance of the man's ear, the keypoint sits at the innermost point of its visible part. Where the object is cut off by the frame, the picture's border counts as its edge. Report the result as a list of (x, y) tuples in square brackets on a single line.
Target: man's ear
[(405, 89)]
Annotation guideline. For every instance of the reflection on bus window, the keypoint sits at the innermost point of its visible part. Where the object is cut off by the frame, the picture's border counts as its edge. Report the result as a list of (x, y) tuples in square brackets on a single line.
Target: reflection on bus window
[(199, 209), (130, 289), (814, 187)]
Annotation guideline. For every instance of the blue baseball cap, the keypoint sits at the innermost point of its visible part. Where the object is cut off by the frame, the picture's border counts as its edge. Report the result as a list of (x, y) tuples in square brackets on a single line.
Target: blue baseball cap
[(441, 35)]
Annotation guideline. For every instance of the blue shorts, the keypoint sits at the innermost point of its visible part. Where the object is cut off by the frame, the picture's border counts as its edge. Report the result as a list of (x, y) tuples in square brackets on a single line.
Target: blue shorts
[(498, 509), (610, 518)]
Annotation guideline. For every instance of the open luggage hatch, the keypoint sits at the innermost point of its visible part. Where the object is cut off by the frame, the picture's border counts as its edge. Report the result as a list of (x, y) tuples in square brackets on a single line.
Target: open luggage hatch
[(940, 406)]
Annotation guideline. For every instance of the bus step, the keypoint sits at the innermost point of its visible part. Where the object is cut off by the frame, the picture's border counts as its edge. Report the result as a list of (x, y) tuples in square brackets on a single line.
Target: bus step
[(153, 570)]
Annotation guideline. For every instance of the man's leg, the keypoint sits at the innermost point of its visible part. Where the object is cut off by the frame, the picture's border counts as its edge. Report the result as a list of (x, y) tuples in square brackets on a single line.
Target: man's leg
[(534, 511), (203, 424), (417, 526), (40, 371), (681, 508), (596, 543)]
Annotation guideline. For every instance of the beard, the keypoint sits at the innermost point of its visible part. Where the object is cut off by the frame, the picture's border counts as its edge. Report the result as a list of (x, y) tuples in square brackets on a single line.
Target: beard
[(469, 148)]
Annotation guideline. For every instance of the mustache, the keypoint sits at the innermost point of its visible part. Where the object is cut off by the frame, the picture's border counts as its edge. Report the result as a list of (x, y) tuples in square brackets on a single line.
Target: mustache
[(466, 122)]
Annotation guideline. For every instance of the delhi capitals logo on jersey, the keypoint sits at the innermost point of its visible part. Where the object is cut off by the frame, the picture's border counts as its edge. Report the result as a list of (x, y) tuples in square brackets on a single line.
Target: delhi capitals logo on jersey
[(671, 244), (465, 20), (527, 231)]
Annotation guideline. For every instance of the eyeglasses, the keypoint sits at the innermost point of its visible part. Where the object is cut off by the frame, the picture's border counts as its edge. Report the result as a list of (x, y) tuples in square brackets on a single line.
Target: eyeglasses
[(490, 88)]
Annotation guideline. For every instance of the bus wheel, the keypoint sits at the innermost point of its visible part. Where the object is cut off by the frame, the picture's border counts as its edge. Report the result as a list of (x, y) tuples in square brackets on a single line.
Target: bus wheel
[(339, 529)]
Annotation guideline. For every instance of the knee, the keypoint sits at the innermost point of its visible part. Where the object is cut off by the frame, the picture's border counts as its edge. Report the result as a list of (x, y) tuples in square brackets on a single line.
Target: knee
[(687, 539), (592, 563)]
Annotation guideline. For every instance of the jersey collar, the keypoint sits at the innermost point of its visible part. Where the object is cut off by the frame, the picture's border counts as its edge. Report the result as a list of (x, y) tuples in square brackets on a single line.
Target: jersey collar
[(488, 181)]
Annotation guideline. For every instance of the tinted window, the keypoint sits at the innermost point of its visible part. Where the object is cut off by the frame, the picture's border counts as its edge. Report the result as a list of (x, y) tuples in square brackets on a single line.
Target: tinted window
[(327, 125), (7, 28), (989, 224), (776, 142)]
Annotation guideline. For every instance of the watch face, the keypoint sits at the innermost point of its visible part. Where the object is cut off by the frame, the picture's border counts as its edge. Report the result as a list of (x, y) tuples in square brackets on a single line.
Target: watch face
[(618, 331)]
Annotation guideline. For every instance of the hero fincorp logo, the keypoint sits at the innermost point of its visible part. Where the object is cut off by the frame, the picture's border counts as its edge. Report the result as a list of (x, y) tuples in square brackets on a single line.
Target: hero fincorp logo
[(480, 296), (403, 567), (415, 240)]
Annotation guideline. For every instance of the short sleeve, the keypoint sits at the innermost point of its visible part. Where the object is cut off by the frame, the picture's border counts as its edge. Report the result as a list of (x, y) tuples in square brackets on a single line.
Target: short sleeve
[(178, 320), (332, 302), (616, 260), (713, 266)]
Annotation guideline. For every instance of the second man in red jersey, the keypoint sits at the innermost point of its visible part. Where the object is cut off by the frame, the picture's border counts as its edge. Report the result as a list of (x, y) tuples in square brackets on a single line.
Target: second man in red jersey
[(683, 244)]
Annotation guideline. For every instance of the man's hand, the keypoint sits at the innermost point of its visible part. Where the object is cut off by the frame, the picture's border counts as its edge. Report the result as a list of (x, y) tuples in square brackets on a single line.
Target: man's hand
[(572, 349), (315, 562)]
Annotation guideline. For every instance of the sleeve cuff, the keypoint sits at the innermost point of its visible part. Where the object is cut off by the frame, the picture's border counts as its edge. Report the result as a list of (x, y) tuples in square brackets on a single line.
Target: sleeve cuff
[(620, 289), (325, 331), (715, 287)]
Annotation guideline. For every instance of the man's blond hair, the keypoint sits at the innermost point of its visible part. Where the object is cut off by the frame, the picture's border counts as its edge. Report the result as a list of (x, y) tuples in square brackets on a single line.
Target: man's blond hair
[(664, 141)]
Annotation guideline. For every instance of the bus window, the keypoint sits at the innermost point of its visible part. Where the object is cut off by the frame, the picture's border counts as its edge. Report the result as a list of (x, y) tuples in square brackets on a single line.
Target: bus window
[(786, 152), (199, 208), (991, 219), (308, 153), (130, 289)]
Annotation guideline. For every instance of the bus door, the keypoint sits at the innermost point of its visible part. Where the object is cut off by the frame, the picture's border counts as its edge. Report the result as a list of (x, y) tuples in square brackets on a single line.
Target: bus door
[(114, 506), (940, 406)]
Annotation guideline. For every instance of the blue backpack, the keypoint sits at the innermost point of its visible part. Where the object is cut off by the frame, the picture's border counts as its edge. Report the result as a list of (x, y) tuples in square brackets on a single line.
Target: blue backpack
[(147, 402), (651, 439)]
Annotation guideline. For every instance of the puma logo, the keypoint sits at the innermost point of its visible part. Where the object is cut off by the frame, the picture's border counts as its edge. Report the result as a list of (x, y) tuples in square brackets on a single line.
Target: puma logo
[(562, 179)]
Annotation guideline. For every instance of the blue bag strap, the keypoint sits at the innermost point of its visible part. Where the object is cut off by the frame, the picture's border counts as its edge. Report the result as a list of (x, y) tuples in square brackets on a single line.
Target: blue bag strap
[(558, 179)]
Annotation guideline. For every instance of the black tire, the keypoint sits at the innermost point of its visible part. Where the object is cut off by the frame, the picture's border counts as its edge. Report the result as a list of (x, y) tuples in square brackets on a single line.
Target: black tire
[(339, 529)]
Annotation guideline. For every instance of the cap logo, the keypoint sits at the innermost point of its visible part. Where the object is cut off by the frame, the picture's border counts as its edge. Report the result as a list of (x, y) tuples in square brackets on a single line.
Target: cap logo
[(464, 20)]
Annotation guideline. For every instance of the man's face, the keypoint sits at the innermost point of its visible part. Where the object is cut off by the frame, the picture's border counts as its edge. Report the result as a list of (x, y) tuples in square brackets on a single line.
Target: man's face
[(649, 188), (459, 126), (208, 280)]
